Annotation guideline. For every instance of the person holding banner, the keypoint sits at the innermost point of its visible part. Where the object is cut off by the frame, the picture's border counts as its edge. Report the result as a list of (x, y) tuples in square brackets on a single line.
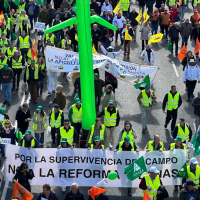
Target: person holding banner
[(150, 183), (64, 144), (96, 144), (28, 140), (154, 145)]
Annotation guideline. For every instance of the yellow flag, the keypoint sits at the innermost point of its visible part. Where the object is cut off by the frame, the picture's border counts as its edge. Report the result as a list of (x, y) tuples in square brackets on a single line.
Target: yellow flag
[(127, 36), (76, 37), (155, 38), (117, 9), (93, 49), (139, 17), (145, 16)]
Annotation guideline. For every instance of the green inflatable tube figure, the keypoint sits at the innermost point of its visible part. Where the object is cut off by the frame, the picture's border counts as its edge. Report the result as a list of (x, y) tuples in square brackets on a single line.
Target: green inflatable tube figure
[(83, 21)]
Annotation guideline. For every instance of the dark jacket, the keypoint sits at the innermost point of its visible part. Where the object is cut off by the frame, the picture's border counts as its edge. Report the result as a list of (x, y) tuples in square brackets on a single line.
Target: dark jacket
[(166, 99), (60, 99), (23, 177), (100, 197), (111, 112), (28, 142), (185, 61), (175, 132), (185, 194), (77, 83), (8, 73), (51, 15), (195, 34), (21, 116), (10, 135), (44, 17), (96, 7), (141, 2), (129, 147), (164, 193), (132, 17), (71, 196), (36, 9), (174, 32), (95, 38), (149, 3), (31, 75), (98, 84), (72, 33), (111, 33), (196, 105), (52, 196)]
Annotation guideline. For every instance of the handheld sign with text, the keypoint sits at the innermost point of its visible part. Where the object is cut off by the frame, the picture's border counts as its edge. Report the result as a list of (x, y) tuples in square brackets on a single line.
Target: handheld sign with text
[(5, 140), (40, 26)]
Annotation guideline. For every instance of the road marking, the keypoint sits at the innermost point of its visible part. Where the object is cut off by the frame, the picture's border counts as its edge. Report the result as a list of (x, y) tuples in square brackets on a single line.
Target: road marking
[(195, 128), (7, 182), (174, 66)]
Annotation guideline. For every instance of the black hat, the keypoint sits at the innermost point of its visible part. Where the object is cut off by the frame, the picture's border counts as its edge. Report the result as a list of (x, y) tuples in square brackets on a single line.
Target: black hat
[(190, 182), (182, 120)]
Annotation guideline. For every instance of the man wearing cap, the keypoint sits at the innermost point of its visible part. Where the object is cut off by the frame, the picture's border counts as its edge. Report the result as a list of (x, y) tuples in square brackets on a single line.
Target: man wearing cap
[(32, 76), (191, 76), (60, 98), (145, 102), (16, 65), (111, 120), (183, 130), (23, 117), (150, 183), (64, 144), (127, 145), (96, 144), (68, 132), (172, 101), (56, 120), (75, 115), (154, 145), (28, 140), (189, 192), (98, 85), (4, 43), (97, 130), (6, 76)]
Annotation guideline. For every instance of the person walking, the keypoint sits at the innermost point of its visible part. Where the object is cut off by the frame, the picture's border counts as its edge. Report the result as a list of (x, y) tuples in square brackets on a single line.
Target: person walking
[(51, 12), (106, 6), (43, 72), (6, 75), (185, 31), (10, 52), (39, 124), (29, 140), (111, 120), (133, 22), (23, 117), (47, 193), (172, 101), (195, 35), (186, 60), (148, 56), (4, 43), (196, 105), (154, 145), (23, 175), (56, 120), (183, 130), (44, 16), (155, 16), (75, 115), (191, 76), (32, 75), (145, 30), (145, 99), (108, 95), (96, 35)]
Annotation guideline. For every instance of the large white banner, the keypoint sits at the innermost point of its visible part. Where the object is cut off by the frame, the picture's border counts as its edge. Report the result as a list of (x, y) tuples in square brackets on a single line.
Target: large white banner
[(59, 60), (62, 167)]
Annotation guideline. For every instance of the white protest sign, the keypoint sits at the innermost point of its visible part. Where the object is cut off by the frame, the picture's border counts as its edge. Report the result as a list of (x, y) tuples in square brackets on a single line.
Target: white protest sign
[(1, 117), (40, 26), (5, 140), (59, 60), (64, 166)]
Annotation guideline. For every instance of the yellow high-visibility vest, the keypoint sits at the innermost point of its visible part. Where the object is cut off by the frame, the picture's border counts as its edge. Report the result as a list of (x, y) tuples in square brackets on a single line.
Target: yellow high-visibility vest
[(24, 42), (92, 146), (7, 23), (172, 146), (77, 114), (13, 20), (182, 134), (194, 177), (21, 7), (67, 134), (1, 44), (124, 4), (5, 31), (27, 29), (11, 53), (55, 123), (171, 3), (17, 64), (2, 63), (150, 146), (21, 18), (101, 133), (51, 38), (36, 76), (154, 185), (130, 134), (3, 122), (121, 144), (110, 120), (36, 118), (32, 143), (172, 103), (146, 101)]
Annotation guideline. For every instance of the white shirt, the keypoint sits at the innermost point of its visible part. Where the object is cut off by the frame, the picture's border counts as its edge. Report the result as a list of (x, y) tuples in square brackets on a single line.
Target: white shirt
[(191, 73), (108, 7), (110, 54), (119, 22)]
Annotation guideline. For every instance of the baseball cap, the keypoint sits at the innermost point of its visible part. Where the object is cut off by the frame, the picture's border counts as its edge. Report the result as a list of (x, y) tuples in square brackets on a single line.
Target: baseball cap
[(147, 87), (192, 60), (190, 182), (28, 132), (111, 102), (77, 100), (56, 106), (178, 138), (154, 169), (97, 139), (181, 120), (39, 108), (2, 111), (193, 161), (127, 139), (32, 61), (96, 75), (110, 47), (64, 140)]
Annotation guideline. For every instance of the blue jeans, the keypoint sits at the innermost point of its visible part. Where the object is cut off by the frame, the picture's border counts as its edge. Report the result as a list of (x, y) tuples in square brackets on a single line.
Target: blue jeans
[(40, 86), (40, 137), (182, 11), (31, 18), (57, 34), (6, 87), (141, 7), (150, 10), (185, 40), (154, 27)]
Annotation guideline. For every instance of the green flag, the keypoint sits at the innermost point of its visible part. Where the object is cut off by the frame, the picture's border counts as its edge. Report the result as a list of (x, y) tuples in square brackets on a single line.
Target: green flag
[(182, 173), (145, 81), (135, 169), (74, 8), (39, 2), (169, 46), (76, 96), (196, 142), (6, 4), (16, 2)]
